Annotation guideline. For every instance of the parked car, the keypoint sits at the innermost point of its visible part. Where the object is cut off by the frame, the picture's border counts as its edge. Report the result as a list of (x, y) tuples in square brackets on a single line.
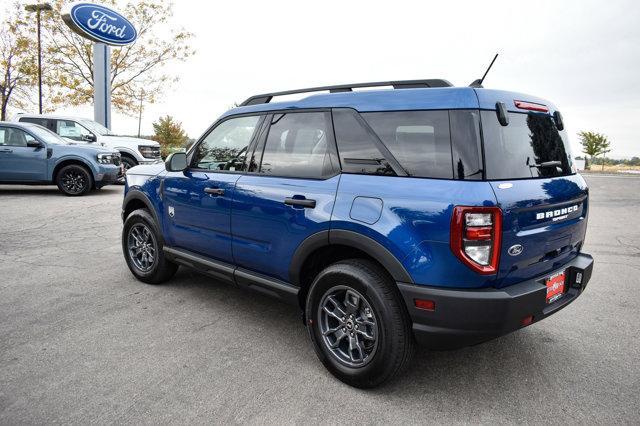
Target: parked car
[(33, 155), (434, 214), (133, 151)]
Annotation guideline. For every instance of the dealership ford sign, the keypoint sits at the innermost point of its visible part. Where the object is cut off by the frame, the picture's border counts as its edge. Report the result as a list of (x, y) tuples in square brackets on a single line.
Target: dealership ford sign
[(100, 24)]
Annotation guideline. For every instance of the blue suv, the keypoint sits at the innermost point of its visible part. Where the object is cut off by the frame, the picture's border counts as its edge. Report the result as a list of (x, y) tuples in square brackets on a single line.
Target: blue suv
[(440, 215), (33, 155)]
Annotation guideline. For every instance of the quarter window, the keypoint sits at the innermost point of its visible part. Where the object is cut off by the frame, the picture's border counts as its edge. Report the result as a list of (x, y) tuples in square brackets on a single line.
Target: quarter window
[(225, 148), (358, 151), (419, 140), (298, 146)]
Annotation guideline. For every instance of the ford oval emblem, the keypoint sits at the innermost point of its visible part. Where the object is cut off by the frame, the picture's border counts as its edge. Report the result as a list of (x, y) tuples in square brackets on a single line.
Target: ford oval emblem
[(100, 24), (515, 250)]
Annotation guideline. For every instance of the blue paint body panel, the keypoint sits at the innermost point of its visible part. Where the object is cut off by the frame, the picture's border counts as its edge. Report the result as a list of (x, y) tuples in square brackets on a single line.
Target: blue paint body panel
[(201, 222), (414, 224), (266, 232)]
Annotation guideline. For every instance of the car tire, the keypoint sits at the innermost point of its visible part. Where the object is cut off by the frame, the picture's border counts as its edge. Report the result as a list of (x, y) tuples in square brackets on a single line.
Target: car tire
[(74, 180), (357, 299), (127, 163), (142, 248)]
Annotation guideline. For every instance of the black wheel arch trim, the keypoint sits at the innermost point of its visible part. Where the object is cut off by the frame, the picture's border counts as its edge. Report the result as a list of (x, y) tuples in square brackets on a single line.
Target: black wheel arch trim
[(347, 238), (135, 194)]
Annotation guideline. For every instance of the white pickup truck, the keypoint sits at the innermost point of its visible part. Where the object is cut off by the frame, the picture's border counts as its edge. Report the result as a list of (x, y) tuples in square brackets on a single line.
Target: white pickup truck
[(134, 151)]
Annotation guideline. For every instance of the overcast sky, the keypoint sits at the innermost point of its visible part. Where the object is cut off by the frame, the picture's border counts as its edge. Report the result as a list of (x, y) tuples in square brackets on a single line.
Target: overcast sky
[(582, 55)]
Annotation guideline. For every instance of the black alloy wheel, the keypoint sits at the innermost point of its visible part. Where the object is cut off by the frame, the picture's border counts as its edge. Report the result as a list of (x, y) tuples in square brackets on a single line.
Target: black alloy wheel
[(74, 180)]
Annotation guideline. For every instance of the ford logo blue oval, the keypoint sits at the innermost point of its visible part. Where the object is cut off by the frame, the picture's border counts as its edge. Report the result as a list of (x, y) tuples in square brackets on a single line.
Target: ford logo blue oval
[(515, 250), (100, 24)]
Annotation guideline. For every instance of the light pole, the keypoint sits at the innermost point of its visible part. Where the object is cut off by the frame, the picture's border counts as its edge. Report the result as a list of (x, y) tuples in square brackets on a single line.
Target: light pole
[(140, 116), (38, 8)]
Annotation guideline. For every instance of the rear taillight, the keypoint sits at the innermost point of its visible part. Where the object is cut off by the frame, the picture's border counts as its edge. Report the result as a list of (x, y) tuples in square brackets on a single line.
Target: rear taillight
[(475, 237)]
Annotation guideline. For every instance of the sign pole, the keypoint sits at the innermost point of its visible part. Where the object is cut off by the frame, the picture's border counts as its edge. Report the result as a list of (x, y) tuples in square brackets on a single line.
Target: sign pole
[(102, 84)]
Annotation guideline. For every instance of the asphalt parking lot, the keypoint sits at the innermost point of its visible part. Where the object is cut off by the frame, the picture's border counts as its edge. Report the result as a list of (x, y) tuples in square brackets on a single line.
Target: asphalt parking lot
[(81, 341)]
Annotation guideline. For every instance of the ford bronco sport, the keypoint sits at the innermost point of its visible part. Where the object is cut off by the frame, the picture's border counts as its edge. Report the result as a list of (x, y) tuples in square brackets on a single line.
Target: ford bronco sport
[(440, 215)]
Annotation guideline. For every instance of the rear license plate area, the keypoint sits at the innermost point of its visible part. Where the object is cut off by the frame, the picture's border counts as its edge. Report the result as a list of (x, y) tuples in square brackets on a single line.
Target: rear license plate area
[(556, 286)]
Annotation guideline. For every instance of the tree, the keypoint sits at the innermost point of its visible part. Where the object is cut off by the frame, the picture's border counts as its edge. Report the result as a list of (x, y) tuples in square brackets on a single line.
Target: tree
[(594, 144), (134, 67), (17, 62), (169, 134)]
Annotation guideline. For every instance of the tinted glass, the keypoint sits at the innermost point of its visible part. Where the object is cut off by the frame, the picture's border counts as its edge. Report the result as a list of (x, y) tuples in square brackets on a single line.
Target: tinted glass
[(520, 149), (225, 147), (419, 140), (298, 146), (357, 150), (39, 121), (465, 144), (14, 137)]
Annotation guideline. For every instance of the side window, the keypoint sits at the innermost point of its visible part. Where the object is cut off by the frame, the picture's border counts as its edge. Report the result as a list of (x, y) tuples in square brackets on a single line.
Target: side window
[(358, 152), (14, 137), (71, 130), (465, 144), (419, 140), (46, 123), (225, 148), (298, 146)]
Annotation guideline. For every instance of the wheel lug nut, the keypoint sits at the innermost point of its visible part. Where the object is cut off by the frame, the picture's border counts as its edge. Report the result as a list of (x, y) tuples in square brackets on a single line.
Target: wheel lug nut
[(356, 326)]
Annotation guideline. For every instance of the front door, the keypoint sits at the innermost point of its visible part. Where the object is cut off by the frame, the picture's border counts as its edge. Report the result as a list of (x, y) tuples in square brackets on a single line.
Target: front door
[(19, 162), (290, 197), (197, 202)]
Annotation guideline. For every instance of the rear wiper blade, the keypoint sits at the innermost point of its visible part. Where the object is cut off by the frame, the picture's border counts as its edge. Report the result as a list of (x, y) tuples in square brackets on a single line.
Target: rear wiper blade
[(547, 164)]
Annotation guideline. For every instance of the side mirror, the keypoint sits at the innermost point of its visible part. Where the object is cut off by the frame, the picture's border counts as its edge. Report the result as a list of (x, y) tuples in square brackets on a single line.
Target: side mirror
[(34, 144), (89, 138), (176, 162)]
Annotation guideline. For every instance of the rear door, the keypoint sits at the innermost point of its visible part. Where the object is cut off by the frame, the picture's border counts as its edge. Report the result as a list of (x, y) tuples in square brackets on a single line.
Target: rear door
[(544, 203), (290, 196)]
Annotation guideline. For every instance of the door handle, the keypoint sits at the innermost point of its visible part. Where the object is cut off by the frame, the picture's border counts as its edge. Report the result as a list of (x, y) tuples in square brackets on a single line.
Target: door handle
[(303, 202), (6, 150), (214, 191)]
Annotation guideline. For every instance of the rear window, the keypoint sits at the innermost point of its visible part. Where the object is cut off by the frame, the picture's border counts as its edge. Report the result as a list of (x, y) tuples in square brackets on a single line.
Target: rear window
[(530, 146)]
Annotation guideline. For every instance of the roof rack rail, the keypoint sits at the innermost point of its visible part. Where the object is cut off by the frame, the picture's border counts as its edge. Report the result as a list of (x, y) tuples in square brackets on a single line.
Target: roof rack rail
[(404, 84)]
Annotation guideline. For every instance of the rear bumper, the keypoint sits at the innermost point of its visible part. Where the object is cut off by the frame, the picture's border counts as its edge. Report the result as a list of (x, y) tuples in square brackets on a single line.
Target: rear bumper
[(467, 317)]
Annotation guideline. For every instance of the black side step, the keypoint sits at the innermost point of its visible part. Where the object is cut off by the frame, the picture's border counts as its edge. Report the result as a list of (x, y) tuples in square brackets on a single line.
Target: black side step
[(230, 273)]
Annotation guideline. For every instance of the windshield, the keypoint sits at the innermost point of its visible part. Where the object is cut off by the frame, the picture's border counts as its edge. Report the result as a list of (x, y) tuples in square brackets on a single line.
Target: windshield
[(530, 146), (96, 128), (47, 135)]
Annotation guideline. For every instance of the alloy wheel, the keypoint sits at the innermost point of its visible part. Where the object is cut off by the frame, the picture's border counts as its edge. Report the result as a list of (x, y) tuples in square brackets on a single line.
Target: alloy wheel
[(73, 181), (348, 326), (142, 247)]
